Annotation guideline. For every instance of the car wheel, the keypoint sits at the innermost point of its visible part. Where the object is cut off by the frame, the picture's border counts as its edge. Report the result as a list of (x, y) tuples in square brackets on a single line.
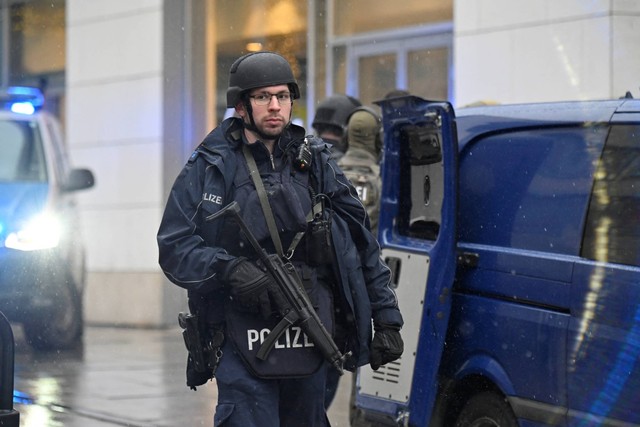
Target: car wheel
[(487, 409), (62, 328)]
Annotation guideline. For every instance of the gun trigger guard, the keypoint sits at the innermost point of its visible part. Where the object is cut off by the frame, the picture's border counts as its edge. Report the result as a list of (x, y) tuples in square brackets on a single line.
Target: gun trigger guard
[(289, 254)]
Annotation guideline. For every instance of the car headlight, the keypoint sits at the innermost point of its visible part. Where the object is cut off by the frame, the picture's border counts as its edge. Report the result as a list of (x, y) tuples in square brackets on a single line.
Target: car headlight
[(42, 232)]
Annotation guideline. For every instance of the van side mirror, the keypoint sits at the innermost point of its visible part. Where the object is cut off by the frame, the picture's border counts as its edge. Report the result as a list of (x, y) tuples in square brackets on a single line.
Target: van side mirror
[(78, 179)]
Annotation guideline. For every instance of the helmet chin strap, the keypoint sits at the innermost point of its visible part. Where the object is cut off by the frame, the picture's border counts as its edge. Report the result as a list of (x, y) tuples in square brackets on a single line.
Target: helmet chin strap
[(251, 126)]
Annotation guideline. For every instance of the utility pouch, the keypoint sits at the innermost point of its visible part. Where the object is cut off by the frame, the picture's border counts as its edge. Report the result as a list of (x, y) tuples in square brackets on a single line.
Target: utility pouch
[(318, 240), (203, 347)]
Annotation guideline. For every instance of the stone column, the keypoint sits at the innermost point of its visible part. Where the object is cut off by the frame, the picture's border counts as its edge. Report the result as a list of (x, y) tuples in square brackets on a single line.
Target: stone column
[(132, 119)]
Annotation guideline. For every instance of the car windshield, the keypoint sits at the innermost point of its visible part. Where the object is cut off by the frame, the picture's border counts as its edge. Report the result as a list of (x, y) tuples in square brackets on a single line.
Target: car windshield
[(22, 158)]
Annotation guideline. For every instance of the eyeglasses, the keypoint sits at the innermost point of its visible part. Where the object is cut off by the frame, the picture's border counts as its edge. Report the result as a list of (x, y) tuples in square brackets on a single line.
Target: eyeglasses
[(265, 98)]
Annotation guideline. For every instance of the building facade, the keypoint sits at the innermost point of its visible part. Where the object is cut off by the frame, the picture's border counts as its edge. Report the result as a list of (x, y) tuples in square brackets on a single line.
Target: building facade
[(139, 84)]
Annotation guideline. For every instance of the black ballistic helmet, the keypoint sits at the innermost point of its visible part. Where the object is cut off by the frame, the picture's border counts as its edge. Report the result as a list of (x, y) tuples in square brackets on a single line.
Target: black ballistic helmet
[(333, 112), (259, 69)]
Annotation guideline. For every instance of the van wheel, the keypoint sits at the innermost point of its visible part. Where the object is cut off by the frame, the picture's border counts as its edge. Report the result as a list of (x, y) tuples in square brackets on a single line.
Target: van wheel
[(487, 409), (62, 328)]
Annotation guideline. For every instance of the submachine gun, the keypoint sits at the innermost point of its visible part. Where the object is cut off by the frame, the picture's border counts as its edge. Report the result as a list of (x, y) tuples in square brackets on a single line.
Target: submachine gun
[(289, 297)]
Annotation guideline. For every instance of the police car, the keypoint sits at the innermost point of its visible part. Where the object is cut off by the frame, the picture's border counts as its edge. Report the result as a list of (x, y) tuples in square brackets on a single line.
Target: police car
[(42, 260), (514, 239)]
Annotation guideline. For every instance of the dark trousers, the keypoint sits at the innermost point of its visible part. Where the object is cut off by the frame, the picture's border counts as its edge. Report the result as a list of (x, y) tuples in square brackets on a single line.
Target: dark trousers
[(333, 378), (247, 401)]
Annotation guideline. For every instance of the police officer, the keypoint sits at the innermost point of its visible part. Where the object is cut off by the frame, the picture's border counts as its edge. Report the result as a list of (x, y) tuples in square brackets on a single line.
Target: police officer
[(330, 121), (361, 161), (258, 157)]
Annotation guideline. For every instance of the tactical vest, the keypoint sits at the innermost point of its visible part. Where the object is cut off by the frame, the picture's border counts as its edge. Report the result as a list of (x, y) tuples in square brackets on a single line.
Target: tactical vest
[(362, 169), (288, 194)]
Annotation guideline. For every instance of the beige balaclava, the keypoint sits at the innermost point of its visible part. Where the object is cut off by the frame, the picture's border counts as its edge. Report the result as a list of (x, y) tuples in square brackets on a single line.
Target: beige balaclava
[(362, 130)]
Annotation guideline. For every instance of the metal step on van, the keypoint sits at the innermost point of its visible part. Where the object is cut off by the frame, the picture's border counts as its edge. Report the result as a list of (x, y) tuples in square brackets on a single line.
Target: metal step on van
[(513, 232)]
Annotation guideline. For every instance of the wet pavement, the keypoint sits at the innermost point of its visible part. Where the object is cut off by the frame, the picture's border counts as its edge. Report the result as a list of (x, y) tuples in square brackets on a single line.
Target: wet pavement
[(121, 377)]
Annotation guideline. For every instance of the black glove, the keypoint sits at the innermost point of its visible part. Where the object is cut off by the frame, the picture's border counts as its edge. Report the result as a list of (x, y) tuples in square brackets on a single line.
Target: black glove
[(248, 286), (386, 347)]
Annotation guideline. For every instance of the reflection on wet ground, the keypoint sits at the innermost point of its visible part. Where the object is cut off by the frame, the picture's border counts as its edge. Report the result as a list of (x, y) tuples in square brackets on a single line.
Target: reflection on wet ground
[(121, 377)]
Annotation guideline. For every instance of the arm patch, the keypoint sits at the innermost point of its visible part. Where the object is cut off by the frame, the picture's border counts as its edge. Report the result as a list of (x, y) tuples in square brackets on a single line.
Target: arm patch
[(193, 156)]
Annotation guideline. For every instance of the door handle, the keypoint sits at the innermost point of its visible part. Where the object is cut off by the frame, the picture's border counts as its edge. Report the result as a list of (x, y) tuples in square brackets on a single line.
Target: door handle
[(467, 259), (394, 265)]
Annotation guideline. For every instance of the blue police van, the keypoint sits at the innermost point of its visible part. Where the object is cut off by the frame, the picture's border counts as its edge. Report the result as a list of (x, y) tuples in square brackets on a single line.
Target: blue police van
[(42, 258), (513, 232)]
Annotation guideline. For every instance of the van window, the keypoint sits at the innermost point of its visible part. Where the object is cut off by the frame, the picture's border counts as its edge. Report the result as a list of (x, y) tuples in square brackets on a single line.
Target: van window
[(529, 189), (612, 230), (421, 189)]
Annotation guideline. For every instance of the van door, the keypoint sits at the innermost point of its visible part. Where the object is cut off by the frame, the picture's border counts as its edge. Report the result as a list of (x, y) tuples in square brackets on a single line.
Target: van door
[(417, 235)]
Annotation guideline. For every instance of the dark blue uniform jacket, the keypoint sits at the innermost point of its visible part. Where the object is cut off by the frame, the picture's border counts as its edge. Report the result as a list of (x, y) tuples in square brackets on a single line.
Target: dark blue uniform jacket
[(190, 258)]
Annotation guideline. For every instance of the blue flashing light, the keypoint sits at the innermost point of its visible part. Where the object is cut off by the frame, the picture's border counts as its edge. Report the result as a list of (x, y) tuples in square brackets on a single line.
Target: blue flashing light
[(21, 99), (23, 108)]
